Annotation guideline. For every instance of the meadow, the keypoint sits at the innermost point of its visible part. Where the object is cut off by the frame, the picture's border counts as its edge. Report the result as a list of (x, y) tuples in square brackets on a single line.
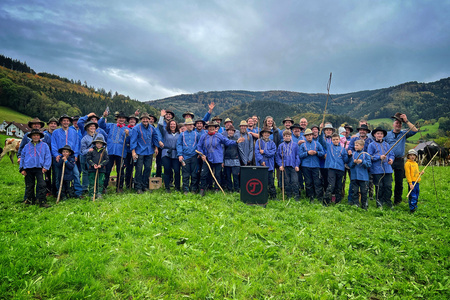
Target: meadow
[(172, 246), (7, 114)]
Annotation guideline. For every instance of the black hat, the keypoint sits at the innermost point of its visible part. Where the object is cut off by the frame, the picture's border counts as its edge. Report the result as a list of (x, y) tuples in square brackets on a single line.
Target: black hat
[(53, 119), (66, 147), (216, 118), (35, 131), (188, 113), (75, 117), (364, 127), (314, 125), (296, 126), (349, 127), (397, 117), (90, 123), (212, 124), (288, 119), (99, 139), (35, 121), (65, 117), (170, 112), (199, 120), (379, 129), (265, 129), (93, 116), (121, 114)]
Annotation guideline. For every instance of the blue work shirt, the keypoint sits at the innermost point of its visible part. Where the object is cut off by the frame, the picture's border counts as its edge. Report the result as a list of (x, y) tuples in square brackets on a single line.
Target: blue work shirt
[(36, 156), (360, 171), (268, 157), (377, 149), (391, 138), (211, 146), (116, 137), (187, 143), (61, 137), (287, 155), (310, 161), (82, 121), (144, 139)]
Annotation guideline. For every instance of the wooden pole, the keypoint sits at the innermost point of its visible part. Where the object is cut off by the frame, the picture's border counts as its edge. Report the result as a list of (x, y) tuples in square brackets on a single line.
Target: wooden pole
[(282, 174), (421, 174), (212, 173), (60, 185), (121, 164), (390, 149), (326, 103), (96, 175)]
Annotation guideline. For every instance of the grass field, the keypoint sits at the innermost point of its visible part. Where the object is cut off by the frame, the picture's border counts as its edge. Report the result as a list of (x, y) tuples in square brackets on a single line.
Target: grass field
[(10, 115), (376, 122), (424, 130), (172, 246)]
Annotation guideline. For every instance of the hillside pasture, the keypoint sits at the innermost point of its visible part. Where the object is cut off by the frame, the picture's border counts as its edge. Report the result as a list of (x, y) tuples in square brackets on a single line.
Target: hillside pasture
[(172, 246), (7, 114)]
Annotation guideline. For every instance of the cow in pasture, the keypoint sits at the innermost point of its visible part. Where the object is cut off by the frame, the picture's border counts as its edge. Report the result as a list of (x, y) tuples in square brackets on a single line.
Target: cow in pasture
[(442, 153), (11, 148)]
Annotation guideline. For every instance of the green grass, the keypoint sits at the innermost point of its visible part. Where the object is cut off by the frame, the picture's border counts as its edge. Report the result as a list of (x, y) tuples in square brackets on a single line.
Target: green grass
[(376, 122), (173, 246), (7, 114), (424, 130)]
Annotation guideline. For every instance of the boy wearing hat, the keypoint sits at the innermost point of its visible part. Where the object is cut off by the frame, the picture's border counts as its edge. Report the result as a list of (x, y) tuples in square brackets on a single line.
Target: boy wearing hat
[(97, 160), (335, 159), (36, 160), (399, 151), (297, 137), (116, 138), (246, 147), (50, 175), (67, 158), (265, 151), (61, 137), (359, 164), (210, 145), (309, 153), (186, 146), (231, 161), (381, 168), (288, 160), (32, 124), (91, 117), (412, 174)]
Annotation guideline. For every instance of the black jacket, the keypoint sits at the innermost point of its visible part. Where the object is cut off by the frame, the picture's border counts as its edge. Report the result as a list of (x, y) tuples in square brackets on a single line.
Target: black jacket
[(93, 157)]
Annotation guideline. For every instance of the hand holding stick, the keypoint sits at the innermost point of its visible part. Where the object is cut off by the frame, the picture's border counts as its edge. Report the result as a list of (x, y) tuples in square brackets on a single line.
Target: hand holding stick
[(212, 173), (61, 184)]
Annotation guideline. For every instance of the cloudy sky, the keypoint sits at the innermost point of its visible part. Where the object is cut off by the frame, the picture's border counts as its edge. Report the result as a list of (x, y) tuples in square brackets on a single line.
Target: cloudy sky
[(155, 49)]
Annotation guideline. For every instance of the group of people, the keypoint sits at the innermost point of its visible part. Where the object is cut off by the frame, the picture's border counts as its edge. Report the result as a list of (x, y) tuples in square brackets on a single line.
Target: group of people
[(310, 161)]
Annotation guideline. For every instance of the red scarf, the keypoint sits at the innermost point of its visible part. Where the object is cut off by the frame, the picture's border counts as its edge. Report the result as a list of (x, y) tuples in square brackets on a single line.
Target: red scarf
[(130, 126), (120, 125), (211, 133)]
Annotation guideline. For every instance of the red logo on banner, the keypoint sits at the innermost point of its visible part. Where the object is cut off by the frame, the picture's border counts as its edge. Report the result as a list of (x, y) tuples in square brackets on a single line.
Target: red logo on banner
[(254, 187)]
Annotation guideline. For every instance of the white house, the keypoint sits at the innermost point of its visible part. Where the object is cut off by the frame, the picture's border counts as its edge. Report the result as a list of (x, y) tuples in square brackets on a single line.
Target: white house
[(3, 126), (17, 129)]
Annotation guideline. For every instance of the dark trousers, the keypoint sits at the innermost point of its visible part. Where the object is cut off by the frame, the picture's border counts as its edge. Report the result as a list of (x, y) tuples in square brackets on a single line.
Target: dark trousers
[(414, 197), (171, 168), (50, 181), (290, 182), (120, 170), (232, 171), (399, 173), (313, 185), (34, 178), (99, 183), (143, 167), (67, 190), (301, 185), (383, 189), (324, 178), (334, 186), (359, 186), (129, 166), (190, 174), (216, 168), (271, 185), (159, 163)]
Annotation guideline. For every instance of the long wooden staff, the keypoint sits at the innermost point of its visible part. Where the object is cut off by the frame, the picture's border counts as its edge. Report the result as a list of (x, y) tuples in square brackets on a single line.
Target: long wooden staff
[(121, 163), (212, 173), (282, 174), (96, 175), (390, 149), (326, 103), (61, 184), (417, 180)]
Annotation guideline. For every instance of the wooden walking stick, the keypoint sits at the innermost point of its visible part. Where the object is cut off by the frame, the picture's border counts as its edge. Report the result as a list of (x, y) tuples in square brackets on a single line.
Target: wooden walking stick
[(121, 164), (326, 103), (61, 184), (401, 138), (282, 174), (212, 173), (421, 174), (96, 175)]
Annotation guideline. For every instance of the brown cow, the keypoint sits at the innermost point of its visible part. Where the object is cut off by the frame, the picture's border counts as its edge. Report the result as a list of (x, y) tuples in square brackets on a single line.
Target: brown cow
[(11, 148)]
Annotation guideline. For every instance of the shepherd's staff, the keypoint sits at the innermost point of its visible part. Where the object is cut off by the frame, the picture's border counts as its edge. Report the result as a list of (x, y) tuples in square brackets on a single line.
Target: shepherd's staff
[(212, 173), (96, 175), (121, 162), (282, 174), (60, 185), (417, 180), (326, 103)]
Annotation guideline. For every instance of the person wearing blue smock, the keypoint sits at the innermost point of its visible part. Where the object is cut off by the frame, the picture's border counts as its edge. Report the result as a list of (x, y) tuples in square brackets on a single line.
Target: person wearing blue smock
[(399, 151), (169, 157), (186, 146)]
